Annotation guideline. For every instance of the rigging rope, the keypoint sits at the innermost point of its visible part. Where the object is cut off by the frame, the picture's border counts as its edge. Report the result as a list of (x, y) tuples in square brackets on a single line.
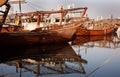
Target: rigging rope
[(101, 65), (34, 5), (33, 8)]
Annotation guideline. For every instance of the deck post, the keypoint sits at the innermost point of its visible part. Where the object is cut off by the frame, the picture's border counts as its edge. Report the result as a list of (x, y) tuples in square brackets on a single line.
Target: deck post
[(38, 20)]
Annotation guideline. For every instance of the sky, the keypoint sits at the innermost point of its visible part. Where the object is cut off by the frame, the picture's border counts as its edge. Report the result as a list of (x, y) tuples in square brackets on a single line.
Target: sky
[(96, 8)]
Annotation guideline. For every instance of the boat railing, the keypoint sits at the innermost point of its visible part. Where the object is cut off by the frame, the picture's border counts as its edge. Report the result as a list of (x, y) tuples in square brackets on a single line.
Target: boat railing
[(56, 26), (51, 27)]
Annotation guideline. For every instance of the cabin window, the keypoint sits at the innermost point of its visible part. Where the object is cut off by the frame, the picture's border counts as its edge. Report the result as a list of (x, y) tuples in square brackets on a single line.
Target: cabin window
[(34, 20), (63, 20), (23, 21), (28, 20), (48, 21), (57, 20)]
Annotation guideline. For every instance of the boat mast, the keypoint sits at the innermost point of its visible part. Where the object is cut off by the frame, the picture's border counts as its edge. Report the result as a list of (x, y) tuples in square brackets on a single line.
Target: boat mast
[(20, 6), (20, 24)]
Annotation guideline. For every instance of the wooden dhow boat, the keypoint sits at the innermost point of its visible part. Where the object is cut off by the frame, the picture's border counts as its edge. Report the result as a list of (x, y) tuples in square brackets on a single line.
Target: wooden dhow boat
[(95, 28), (81, 31), (48, 33)]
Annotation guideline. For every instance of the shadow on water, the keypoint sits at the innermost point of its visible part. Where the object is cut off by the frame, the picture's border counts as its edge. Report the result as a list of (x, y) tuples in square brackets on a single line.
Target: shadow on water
[(51, 59), (42, 60)]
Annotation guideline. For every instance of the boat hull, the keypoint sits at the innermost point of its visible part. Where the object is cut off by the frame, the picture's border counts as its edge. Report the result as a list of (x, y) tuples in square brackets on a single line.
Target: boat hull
[(94, 32), (68, 31), (30, 38), (39, 36)]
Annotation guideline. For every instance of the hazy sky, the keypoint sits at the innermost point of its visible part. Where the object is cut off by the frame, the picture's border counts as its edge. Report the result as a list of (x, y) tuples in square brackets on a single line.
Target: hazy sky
[(96, 8)]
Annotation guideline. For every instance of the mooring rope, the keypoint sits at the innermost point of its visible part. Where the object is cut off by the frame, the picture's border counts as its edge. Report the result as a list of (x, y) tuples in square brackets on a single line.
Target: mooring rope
[(101, 65)]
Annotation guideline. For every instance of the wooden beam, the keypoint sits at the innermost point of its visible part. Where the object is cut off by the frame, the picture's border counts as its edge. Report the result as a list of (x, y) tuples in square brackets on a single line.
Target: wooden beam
[(53, 11), (4, 15)]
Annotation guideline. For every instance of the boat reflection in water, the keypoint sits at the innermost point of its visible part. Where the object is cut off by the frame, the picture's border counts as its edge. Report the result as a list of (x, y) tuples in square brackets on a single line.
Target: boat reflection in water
[(105, 41), (101, 52), (42, 60)]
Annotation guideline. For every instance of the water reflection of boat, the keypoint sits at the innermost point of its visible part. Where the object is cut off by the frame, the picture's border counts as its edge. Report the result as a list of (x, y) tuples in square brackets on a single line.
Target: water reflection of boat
[(95, 41), (43, 60)]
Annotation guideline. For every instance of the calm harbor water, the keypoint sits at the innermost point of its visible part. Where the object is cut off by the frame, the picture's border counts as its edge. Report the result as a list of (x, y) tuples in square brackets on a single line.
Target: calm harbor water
[(85, 56)]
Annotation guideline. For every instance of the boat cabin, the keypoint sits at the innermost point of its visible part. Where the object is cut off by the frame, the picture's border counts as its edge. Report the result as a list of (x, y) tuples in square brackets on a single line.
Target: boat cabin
[(55, 21)]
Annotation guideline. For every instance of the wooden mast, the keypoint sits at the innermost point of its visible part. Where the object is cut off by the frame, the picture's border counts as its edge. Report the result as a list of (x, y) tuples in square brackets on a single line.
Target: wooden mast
[(5, 13), (20, 23)]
